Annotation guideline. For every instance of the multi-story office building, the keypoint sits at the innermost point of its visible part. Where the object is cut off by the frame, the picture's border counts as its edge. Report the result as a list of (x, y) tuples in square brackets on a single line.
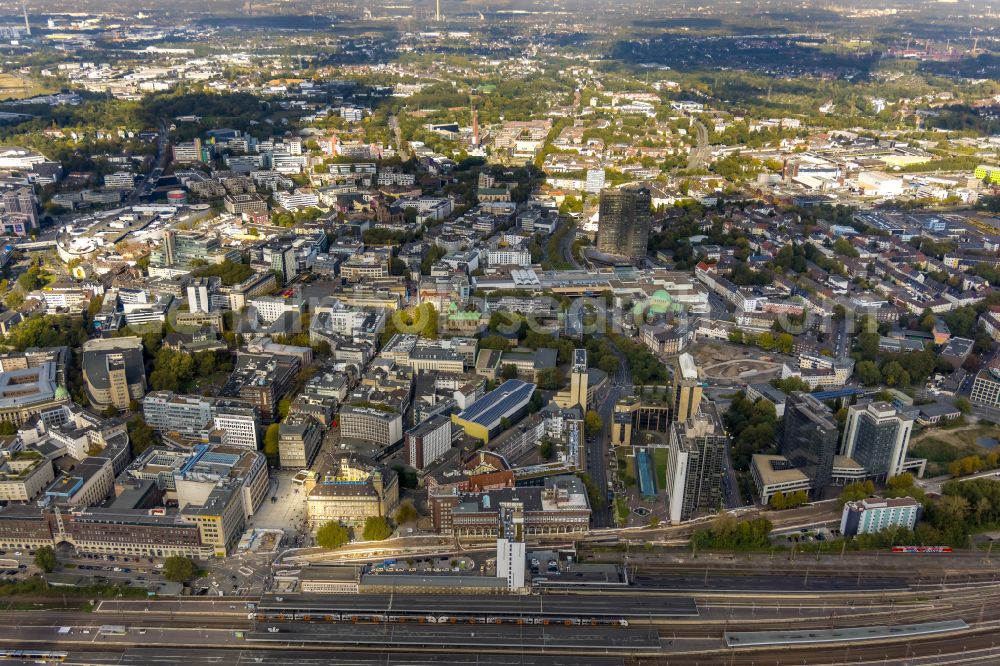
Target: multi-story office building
[(114, 372), (199, 294), (559, 507), (686, 389), (239, 424), (876, 436), (88, 484), (352, 492), (20, 211), (423, 354), (220, 517), (623, 223), (280, 256), (875, 514), (180, 248), (79, 432), (24, 475), (986, 388), (809, 440), (298, 199), (271, 308), (299, 440), (428, 441), (237, 204), (262, 380), (695, 466), (188, 415), (595, 180), (27, 391), (193, 416), (120, 180), (189, 151), (380, 425), (190, 476)]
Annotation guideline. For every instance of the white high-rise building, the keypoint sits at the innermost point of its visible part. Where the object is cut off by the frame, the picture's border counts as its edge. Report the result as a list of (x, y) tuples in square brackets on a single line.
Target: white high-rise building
[(510, 545), (198, 296), (240, 425), (595, 180)]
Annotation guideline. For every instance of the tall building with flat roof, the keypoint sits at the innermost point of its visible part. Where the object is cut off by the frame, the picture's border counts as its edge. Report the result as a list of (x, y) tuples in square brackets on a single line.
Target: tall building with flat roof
[(876, 436), (114, 372), (380, 425), (428, 441), (695, 466), (687, 389), (809, 441), (624, 218)]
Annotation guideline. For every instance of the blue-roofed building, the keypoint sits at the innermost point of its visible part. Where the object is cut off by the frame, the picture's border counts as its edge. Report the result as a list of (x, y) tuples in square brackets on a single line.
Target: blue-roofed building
[(508, 401)]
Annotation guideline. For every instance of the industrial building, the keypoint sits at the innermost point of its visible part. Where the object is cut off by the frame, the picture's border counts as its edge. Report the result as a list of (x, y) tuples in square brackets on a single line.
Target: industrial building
[(503, 406)]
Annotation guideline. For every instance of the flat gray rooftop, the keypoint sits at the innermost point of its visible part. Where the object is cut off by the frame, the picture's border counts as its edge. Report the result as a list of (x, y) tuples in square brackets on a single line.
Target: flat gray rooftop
[(762, 638), (551, 605)]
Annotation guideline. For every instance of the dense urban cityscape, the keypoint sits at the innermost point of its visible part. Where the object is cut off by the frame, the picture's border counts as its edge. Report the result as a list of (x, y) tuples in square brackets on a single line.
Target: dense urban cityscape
[(441, 332)]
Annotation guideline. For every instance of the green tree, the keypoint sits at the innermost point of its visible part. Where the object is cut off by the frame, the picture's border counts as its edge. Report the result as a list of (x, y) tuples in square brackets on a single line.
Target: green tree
[(376, 529), (332, 535), (271, 437), (963, 405), (7, 429), (856, 491), (45, 559), (777, 501), (895, 375), (592, 423), (178, 569), (508, 371), (140, 435), (405, 513), (868, 373)]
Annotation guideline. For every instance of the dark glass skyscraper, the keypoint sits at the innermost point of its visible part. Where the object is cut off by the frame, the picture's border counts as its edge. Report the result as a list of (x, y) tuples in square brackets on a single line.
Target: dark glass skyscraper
[(810, 438), (623, 222)]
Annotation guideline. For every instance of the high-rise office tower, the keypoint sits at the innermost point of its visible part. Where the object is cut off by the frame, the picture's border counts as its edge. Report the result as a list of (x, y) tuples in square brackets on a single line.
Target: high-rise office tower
[(695, 466), (810, 438), (623, 222), (876, 436), (578, 379), (686, 389)]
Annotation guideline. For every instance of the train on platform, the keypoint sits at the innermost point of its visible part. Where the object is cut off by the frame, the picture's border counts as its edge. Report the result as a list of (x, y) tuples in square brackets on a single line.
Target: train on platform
[(395, 618), (38, 656)]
